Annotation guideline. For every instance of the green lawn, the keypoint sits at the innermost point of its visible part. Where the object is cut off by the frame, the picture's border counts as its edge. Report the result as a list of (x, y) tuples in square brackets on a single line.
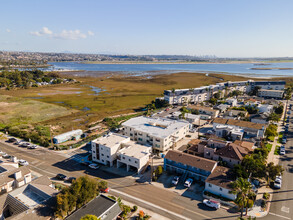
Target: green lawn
[(277, 150), (269, 147), (280, 137), (271, 138)]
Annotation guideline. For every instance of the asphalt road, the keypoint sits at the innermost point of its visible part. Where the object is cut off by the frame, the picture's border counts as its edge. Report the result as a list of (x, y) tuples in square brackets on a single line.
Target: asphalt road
[(282, 201), (161, 201)]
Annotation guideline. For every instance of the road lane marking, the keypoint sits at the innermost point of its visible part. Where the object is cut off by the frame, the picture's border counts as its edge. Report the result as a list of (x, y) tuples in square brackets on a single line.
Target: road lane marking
[(281, 216), (285, 209), (153, 205)]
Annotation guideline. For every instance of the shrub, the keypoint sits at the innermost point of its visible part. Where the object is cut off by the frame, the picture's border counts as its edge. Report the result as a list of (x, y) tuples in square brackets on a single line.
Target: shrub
[(134, 208), (266, 196)]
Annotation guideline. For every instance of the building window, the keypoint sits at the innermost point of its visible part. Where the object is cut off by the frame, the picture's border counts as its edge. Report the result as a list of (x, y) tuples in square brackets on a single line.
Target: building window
[(135, 161), (129, 159), (210, 185), (107, 156), (221, 189), (140, 139), (102, 154), (103, 161), (123, 158), (131, 134)]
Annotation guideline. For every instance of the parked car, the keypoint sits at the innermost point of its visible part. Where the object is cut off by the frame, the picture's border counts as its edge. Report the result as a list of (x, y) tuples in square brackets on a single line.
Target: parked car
[(188, 182), (32, 146), (12, 140), (212, 203), (6, 156), (71, 179), (105, 190), (282, 151), (175, 180), (85, 163), (25, 144), (284, 140), (61, 176), (94, 166), (23, 162), (278, 183)]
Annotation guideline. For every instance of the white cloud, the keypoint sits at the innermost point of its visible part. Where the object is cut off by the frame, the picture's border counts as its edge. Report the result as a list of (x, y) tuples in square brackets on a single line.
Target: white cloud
[(43, 32), (8, 30), (65, 34), (90, 33), (70, 35)]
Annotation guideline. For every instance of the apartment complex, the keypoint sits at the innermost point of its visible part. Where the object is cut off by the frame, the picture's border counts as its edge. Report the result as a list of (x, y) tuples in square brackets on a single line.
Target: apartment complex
[(203, 93), (267, 93), (161, 133), (118, 150), (250, 128), (188, 165), (104, 149)]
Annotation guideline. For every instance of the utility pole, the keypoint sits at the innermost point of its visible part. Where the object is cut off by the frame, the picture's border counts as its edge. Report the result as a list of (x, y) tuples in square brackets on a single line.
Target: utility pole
[(152, 167)]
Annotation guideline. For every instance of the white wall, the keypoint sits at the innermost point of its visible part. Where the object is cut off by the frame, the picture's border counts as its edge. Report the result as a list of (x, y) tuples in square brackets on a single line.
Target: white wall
[(219, 191)]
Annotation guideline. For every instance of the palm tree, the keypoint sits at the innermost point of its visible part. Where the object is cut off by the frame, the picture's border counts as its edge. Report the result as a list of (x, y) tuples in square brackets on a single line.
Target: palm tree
[(242, 188)]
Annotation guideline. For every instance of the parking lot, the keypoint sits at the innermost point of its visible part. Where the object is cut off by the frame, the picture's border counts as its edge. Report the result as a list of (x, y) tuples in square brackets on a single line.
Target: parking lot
[(194, 192)]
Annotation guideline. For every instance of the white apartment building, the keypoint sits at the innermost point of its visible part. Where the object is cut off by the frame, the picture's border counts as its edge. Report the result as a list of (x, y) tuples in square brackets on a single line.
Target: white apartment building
[(197, 95), (104, 148), (267, 93), (134, 155), (118, 150), (161, 133)]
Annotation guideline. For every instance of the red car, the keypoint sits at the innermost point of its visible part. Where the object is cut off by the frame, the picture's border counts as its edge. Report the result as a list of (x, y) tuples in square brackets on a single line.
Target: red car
[(105, 190)]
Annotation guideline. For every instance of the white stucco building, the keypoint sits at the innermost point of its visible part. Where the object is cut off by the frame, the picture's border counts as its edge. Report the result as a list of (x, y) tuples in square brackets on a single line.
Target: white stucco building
[(134, 155), (267, 93), (161, 133), (104, 148)]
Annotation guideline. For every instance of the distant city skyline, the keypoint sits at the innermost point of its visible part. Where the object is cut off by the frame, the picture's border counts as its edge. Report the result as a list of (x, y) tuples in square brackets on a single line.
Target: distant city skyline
[(225, 28)]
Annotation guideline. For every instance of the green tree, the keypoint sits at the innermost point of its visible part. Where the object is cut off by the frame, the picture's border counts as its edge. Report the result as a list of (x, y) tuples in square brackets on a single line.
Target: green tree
[(272, 171), (102, 185), (90, 217), (241, 188), (271, 130), (274, 117)]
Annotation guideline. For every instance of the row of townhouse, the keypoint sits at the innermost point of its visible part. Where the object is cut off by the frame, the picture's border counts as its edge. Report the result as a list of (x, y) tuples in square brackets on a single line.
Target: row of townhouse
[(217, 178), (203, 93)]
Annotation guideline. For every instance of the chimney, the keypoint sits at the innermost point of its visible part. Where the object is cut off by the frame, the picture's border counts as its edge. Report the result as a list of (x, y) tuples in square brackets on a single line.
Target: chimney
[(17, 175)]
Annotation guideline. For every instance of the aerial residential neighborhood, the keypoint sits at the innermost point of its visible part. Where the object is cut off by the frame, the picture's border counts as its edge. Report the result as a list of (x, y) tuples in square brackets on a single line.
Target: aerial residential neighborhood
[(146, 110), (193, 145)]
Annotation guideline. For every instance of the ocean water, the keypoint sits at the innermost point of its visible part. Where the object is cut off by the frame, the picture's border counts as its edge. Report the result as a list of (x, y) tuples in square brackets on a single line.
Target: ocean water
[(149, 69)]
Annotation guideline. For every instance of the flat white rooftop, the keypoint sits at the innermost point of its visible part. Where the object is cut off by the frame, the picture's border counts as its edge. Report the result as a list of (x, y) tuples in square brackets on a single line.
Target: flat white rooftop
[(111, 140), (135, 150), (156, 127)]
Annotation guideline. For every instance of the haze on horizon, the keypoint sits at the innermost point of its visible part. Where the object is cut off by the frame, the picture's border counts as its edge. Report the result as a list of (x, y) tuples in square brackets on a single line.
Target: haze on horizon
[(226, 28)]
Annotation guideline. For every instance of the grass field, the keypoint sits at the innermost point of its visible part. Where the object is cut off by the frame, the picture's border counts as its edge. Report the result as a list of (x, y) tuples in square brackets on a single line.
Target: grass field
[(15, 111), (119, 95)]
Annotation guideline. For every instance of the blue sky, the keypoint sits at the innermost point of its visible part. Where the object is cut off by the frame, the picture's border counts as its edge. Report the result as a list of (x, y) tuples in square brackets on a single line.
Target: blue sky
[(225, 28)]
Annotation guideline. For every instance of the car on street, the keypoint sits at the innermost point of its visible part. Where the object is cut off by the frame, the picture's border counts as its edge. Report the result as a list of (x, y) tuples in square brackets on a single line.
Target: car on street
[(284, 140), (94, 166), (6, 156), (23, 162), (212, 203), (71, 179), (12, 140), (32, 146), (61, 176), (175, 180), (188, 182), (25, 144), (282, 151), (278, 183), (84, 163)]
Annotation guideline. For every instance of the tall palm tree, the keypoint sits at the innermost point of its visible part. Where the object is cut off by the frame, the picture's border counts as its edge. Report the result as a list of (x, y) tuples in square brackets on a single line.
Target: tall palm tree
[(242, 188)]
